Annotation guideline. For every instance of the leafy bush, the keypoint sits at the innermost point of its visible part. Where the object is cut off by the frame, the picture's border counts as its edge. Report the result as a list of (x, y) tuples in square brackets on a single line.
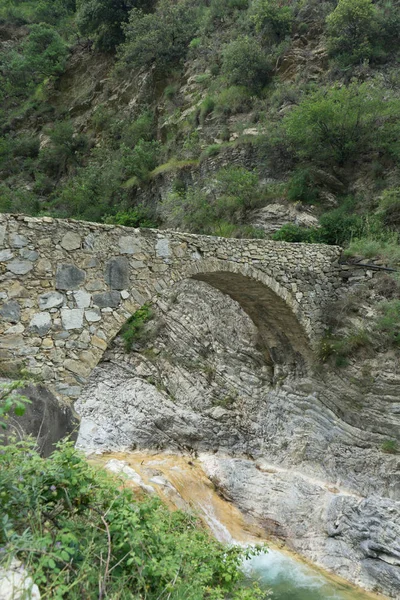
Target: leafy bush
[(103, 19), (232, 100), (342, 123), (340, 349), (233, 191), (140, 216), (15, 200), (83, 534), (143, 128), (384, 245), (134, 329), (337, 227), (42, 55), (65, 150), (353, 31), (160, 38), (302, 186), (11, 401), (245, 64), (140, 161), (274, 20)]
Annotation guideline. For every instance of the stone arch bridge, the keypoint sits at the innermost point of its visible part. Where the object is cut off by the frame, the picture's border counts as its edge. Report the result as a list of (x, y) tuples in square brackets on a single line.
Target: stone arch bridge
[(67, 287)]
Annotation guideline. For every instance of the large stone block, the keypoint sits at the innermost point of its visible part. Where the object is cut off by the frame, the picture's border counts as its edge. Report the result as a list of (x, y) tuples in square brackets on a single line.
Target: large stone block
[(69, 277), (107, 299), (72, 318), (40, 323), (117, 273), (51, 300), (71, 241), (20, 267), (11, 312)]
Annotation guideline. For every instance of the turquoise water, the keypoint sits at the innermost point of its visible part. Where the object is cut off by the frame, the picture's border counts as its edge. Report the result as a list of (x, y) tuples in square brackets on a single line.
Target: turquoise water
[(289, 579)]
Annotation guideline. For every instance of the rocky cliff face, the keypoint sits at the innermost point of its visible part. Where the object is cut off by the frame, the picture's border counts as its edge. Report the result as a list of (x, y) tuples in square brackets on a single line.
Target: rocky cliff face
[(302, 454)]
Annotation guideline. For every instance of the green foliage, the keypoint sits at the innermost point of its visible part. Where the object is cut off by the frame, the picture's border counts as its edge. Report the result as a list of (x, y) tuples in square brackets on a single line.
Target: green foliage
[(389, 208), (273, 20), (390, 447), (340, 349), (65, 150), (245, 64), (139, 216), (14, 200), (206, 108), (143, 128), (337, 227), (134, 329), (41, 55), (382, 244), (234, 190), (232, 100), (160, 38), (302, 186), (11, 401), (140, 161), (353, 30), (103, 20), (82, 534), (343, 123), (388, 323), (24, 12)]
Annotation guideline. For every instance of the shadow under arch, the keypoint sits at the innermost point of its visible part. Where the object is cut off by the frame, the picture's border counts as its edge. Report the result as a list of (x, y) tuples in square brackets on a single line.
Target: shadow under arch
[(284, 333)]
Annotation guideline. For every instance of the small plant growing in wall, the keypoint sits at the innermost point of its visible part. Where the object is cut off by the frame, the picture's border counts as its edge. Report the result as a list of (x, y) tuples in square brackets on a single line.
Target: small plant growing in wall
[(134, 329), (390, 447)]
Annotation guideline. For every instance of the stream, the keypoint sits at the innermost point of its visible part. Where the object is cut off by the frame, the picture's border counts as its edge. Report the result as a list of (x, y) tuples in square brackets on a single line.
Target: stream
[(182, 483)]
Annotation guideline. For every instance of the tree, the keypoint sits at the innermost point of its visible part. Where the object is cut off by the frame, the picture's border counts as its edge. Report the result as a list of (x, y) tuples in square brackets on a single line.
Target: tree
[(161, 38), (272, 19), (353, 31), (342, 123), (104, 19), (244, 63)]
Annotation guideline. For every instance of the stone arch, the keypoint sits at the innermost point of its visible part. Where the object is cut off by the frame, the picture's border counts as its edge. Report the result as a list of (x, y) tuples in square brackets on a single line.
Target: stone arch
[(285, 333)]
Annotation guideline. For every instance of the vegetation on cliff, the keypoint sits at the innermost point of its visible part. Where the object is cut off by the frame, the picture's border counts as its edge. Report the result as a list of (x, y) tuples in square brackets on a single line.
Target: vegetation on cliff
[(304, 97)]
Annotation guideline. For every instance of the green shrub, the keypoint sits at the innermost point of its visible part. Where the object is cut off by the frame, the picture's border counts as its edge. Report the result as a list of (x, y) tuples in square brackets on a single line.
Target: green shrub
[(386, 246), (134, 329), (160, 38), (140, 216), (206, 108), (83, 534), (41, 55), (389, 208), (340, 349), (274, 20), (353, 31), (302, 186), (245, 64), (140, 161), (389, 321), (390, 447), (65, 151), (337, 227), (233, 191), (103, 20), (15, 200), (343, 123), (11, 402), (232, 100)]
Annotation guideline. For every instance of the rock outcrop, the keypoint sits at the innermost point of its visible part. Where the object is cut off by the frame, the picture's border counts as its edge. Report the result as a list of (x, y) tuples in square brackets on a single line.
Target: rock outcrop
[(303, 454)]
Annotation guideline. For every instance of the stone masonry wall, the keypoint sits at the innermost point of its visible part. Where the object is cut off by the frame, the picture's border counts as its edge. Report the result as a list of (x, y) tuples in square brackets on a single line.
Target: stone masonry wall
[(67, 287)]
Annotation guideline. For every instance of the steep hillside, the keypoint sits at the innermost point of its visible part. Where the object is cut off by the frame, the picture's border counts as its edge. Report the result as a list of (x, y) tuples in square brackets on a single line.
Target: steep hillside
[(232, 117)]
